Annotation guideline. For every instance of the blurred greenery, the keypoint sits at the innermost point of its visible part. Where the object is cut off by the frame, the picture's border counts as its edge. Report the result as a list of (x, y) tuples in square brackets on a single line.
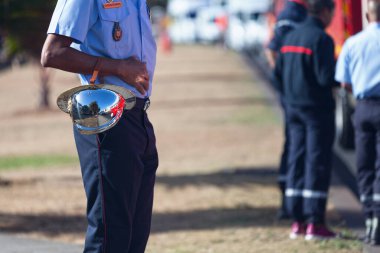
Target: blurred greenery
[(162, 3), (24, 23), (23, 27), (36, 161)]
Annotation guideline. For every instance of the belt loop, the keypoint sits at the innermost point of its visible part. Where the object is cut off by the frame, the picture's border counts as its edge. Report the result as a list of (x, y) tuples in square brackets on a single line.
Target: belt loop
[(147, 104)]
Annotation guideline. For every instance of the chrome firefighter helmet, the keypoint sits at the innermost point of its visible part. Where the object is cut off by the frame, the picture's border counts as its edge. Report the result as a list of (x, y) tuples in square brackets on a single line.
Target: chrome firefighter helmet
[(96, 108)]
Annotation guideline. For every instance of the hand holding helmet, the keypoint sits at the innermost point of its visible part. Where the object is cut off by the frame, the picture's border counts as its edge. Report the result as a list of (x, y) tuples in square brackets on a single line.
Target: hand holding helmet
[(96, 108), (134, 72)]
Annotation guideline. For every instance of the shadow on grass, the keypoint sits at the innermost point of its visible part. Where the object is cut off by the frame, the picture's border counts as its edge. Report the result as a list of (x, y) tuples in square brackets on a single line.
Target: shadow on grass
[(243, 216), (223, 178), (229, 177), (55, 224), (215, 218), (209, 219), (47, 224)]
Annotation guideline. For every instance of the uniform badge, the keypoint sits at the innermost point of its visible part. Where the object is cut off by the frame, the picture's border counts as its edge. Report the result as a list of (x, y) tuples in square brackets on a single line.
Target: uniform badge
[(117, 33), (111, 4)]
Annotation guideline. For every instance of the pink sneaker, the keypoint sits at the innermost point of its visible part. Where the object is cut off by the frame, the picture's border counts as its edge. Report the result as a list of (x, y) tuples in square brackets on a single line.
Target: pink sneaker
[(298, 229), (318, 232)]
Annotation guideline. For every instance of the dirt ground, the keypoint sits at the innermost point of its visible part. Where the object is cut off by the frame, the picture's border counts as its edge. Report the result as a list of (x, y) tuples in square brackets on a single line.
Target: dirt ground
[(219, 138)]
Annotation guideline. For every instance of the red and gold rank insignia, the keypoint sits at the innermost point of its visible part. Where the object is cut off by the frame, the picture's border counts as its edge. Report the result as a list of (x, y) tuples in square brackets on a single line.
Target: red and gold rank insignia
[(111, 4)]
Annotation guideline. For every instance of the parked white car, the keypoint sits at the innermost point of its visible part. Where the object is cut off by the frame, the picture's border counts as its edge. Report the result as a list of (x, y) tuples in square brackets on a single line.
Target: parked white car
[(183, 15), (182, 30), (257, 32), (208, 29), (247, 24)]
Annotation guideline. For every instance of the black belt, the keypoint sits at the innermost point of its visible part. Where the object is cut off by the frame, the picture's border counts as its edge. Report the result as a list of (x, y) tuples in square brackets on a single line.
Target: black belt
[(142, 103)]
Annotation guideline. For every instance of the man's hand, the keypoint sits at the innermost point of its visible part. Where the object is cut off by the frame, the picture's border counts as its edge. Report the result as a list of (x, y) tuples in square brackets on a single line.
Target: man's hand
[(57, 53), (271, 57), (134, 72)]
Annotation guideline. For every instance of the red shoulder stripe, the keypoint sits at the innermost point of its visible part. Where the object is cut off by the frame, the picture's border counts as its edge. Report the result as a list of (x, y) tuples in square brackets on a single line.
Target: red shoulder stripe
[(296, 49)]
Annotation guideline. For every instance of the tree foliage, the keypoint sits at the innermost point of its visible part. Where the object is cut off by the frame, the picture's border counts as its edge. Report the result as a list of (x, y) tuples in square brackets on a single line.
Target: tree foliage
[(24, 24)]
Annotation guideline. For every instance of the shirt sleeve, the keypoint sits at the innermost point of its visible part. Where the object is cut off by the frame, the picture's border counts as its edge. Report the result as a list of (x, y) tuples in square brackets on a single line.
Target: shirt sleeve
[(280, 32), (277, 74), (324, 61), (73, 18), (342, 73)]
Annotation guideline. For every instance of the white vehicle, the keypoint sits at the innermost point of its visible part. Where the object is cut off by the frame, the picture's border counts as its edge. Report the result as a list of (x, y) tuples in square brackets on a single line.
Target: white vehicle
[(183, 14), (208, 29), (247, 23), (182, 31), (182, 8), (256, 31)]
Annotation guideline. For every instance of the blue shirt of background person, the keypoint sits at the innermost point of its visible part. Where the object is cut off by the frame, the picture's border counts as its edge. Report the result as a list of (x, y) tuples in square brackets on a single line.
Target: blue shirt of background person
[(289, 18), (359, 63), (91, 26)]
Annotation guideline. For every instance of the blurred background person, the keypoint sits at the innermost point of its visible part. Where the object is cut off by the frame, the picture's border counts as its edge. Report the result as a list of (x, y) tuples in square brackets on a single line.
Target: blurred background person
[(293, 14), (304, 74), (358, 71)]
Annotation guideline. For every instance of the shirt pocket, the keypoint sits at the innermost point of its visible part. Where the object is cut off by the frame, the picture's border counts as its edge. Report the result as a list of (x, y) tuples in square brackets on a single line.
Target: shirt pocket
[(108, 19)]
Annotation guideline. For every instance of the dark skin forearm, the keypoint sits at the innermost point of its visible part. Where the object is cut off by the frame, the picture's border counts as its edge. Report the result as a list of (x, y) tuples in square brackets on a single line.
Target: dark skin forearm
[(57, 53), (271, 57)]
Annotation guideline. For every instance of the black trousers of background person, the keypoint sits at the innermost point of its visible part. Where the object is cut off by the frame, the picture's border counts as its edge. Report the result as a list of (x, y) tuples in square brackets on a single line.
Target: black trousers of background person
[(312, 132), (118, 170), (367, 134), (283, 169)]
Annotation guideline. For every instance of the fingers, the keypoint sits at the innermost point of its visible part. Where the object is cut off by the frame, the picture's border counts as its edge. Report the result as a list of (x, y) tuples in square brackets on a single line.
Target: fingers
[(140, 88), (137, 74), (145, 78), (133, 58), (142, 85)]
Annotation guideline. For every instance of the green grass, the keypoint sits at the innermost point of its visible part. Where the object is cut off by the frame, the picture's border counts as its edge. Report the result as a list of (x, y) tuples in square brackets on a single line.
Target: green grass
[(254, 115), (35, 161), (340, 245)]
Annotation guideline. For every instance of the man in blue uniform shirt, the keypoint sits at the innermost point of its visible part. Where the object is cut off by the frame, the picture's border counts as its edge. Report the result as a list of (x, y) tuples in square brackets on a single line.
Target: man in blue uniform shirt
[(293, 14), (119, 165), (358, 69), (304, 74)]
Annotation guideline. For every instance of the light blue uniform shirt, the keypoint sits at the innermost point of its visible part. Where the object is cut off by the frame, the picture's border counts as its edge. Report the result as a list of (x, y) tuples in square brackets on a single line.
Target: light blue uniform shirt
[(359, 62), (91, 27)]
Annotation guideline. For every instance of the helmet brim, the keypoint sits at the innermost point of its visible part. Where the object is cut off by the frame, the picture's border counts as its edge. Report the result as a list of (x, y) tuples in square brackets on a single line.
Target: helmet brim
[(64, 100)]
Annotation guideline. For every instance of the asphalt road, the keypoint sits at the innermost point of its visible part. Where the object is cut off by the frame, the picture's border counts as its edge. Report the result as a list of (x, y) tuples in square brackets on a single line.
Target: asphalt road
[(12, 244)]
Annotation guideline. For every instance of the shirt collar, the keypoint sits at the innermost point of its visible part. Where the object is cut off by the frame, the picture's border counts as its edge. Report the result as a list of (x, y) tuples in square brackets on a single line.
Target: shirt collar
[(373, 26)]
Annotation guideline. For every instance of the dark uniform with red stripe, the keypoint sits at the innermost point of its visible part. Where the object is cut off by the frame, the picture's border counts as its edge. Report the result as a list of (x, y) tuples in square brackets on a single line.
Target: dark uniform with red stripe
[(304, 74), (293, 14)]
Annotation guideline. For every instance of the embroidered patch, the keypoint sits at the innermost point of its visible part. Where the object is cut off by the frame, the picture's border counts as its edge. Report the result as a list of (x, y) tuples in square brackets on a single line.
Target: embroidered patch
[(111, 4)]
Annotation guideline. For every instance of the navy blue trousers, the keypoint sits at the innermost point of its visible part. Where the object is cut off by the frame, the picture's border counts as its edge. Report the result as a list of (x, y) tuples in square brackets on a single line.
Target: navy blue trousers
[(367, 138), (118, 170), (312, 132), (283, 169)]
